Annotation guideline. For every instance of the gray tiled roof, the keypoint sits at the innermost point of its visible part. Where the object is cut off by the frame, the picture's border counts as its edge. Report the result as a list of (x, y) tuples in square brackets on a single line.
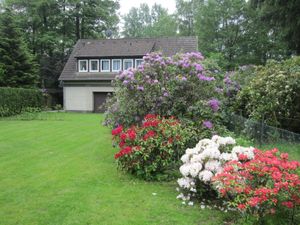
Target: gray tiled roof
[(127, 47)]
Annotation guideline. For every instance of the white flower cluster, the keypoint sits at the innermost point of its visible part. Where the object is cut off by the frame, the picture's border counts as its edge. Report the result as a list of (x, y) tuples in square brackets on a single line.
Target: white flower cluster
[(205, 160)]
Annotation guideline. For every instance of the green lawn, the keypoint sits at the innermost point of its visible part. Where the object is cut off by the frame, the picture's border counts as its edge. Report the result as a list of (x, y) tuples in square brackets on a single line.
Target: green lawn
[(61, 171)]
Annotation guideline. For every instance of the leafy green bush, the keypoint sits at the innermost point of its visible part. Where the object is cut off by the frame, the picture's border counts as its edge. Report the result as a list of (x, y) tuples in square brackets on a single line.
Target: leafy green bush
[(17, 100), (153, 148), (273, 94), (177, 86)]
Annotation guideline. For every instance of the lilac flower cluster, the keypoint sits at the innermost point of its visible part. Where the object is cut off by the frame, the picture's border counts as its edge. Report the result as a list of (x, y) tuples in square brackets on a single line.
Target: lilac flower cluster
[(214, 104), (205, 78), (208, 124), (231, 86)]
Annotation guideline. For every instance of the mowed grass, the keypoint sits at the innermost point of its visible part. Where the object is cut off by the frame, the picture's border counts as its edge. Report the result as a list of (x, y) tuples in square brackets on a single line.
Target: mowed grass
[(61, 170)]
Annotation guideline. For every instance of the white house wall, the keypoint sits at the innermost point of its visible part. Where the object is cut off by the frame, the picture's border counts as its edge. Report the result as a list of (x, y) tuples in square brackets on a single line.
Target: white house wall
[(81, 98)]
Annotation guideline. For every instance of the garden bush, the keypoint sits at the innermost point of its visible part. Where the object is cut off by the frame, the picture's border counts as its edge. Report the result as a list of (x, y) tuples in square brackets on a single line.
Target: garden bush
[(202, 163), (17, 100), (151, 149), (168, 86), (273, 95), (265, 184)]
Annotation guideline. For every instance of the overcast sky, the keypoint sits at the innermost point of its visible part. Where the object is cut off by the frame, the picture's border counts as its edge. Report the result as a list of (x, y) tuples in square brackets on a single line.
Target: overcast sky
[(125, 5)]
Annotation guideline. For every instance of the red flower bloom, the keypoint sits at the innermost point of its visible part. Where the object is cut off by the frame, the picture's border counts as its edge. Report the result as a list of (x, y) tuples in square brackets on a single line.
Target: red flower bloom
[(288, 204), (242, 206), (124, 151), (149, 134), (284, 156), (117, 130), (150, 116), (123, 136), (153, 123), (131, 134), (121, 144), (243, 157), (254, 201)]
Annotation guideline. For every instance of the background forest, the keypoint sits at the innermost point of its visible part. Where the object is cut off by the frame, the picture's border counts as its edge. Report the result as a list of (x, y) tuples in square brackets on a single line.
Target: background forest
[(231, 32)]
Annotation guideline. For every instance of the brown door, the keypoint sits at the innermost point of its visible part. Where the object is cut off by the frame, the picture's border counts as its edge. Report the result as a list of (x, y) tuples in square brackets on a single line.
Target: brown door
[(99, 99)]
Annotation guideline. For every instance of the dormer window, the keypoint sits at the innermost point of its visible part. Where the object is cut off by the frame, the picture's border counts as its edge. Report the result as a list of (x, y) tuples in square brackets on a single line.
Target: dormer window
[(105, 65), (94, 65), (116, 65), (127, 63), (83, 65), (138, 62)]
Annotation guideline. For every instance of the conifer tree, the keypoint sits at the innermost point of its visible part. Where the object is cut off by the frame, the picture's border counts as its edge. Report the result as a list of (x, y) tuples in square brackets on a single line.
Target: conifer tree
[(18, 68)]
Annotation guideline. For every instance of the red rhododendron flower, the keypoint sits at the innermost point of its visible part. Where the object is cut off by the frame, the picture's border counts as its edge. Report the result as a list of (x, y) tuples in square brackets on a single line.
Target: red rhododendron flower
[(117, 130), (150, 116), (243, 157), (123, 136), (153, 123), (284, 156), (121, 144), (149, 134), (288, 204), (242, 206), (123, 152), (131, 134)]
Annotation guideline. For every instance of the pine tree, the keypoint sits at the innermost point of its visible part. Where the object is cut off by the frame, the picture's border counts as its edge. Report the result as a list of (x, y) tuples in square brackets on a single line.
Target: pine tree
[(18, 68)]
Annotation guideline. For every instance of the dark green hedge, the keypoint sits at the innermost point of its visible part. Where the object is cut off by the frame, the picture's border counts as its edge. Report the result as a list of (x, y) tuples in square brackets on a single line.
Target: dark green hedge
[(16, 100)]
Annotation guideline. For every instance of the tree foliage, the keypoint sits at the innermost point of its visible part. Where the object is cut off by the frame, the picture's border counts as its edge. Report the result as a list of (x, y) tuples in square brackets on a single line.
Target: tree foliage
[(232, 27), (51, 28), (149, 22), (284, 14), (17, 65)]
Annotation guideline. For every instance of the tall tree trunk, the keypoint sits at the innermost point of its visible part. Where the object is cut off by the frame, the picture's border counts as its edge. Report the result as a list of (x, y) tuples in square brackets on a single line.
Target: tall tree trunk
[(77, 21), (82, 28)]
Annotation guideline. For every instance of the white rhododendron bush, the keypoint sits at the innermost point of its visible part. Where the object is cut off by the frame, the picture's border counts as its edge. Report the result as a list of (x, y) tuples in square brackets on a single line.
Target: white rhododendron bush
[(203, 162)]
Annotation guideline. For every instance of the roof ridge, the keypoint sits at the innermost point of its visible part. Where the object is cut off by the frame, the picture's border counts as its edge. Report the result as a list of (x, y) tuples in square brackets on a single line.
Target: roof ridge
[(137, 38)]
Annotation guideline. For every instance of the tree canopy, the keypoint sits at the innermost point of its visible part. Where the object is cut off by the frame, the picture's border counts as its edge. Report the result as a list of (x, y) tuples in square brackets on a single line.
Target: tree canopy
[(235, 32), (17, 65)]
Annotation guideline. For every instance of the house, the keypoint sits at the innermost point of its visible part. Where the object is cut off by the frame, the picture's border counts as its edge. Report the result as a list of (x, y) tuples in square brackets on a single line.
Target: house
[(93, 64)]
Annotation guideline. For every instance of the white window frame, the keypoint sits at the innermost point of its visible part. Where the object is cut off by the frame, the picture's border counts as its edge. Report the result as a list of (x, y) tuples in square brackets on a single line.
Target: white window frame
[(101, 65), (135, 63), (90, 64), (87, 65), (112, 65), (124, 60)]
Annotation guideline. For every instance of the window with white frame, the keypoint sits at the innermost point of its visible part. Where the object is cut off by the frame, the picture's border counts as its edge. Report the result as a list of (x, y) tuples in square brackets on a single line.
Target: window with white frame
[(127, 63), (82, 65), (94, 65), (138, 62), (116, 65), (105, 65)]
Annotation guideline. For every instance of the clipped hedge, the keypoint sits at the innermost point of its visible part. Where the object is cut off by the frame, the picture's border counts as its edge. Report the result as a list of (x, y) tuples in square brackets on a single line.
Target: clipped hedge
[(17, 100)]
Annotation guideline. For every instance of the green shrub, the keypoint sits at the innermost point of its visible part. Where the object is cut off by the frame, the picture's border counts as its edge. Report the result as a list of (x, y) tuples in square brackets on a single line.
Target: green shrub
[(177, 86), (17, 100), (273, 94)]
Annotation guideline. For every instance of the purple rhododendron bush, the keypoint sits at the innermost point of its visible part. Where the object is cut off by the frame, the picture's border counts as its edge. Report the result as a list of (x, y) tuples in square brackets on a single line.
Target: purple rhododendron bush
[(177, 86)]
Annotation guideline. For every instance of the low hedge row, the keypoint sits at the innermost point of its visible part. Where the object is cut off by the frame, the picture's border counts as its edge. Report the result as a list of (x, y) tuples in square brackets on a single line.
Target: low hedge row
[(16, 100)]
